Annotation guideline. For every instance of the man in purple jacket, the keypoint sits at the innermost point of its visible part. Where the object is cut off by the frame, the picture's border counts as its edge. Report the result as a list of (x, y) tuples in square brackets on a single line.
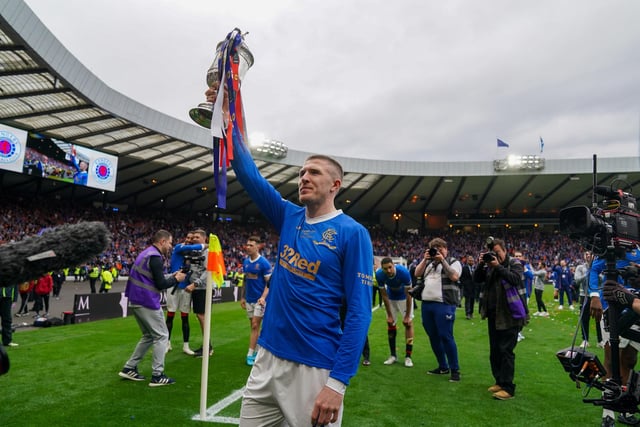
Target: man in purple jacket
[(146, 281)]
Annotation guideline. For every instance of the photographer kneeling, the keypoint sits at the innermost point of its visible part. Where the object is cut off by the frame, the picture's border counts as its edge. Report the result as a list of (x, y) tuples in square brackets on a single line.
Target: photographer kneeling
[(503, 304)]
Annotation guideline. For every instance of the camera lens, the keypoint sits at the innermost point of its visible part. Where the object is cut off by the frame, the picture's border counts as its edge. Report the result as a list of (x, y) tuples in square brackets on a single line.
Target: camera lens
[(488, 257), (433, 252)]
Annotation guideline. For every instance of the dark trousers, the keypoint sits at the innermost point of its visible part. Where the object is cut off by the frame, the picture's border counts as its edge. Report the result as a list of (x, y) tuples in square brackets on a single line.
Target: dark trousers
[(56, 288), (42, 303), (502, 343), (92, 284), (376, 291), (366, 351), (585, 316), (566, 289), (5, 314), (24, 300), (539, 302), (469, 301)]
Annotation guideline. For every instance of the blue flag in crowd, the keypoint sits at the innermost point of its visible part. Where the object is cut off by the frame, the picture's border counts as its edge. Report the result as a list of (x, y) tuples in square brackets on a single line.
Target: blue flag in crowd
[(541, 145), (501, 143)]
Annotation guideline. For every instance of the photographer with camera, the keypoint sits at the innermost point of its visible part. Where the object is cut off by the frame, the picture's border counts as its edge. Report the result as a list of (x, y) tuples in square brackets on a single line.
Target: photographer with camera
[(503, 304), (440, 298), (178, 299), (628, 348), (394, 282)]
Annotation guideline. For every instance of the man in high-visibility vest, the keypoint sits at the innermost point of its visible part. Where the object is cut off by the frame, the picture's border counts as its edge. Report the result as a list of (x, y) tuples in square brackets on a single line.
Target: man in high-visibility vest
[(107, 279), (94, 274)]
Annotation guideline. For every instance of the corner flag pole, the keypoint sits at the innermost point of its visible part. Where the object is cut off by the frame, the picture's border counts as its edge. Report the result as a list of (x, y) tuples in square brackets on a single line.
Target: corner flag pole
[(216, 272)]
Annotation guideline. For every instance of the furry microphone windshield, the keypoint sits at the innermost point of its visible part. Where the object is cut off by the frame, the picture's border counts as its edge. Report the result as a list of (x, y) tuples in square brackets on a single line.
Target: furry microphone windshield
[(59, 247)]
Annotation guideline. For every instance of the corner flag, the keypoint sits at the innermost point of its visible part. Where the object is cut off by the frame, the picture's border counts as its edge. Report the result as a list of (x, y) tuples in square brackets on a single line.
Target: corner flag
[(215, 267), (541, 145), (215, 261), (501, 143)]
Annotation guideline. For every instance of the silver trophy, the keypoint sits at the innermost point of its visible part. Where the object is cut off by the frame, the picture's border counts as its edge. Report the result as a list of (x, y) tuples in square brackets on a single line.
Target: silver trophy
[(203, 113)]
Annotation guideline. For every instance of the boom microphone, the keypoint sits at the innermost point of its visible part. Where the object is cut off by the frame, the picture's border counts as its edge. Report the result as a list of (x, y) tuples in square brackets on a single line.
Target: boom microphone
[(59, 247)]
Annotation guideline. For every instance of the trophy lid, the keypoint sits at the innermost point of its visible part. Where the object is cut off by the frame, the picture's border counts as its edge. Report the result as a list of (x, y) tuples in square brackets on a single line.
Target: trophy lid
[(246, 61)]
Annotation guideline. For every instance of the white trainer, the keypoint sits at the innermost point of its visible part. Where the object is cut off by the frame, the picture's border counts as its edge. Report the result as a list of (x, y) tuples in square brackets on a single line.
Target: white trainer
[(391, 360), (408, 362)]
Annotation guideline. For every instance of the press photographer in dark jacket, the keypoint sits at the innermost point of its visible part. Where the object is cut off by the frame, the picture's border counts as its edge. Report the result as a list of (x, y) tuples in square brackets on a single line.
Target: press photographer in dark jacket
[(503, 304)]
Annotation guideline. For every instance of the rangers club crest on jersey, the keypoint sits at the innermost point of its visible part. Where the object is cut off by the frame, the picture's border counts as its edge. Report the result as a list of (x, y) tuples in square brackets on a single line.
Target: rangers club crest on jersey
[(103, 170), (10, 148), (328, 238)]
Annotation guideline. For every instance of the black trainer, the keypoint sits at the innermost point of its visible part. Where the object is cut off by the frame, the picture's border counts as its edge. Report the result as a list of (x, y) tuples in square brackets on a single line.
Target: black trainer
[(160, 380), (438, 371), (628, 419), (131, 374), (198, 353), (455, 376)]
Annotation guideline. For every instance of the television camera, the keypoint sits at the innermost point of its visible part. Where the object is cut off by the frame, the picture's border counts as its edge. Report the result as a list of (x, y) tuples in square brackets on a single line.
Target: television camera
[(191, 258), (609, 229), (614, 222)]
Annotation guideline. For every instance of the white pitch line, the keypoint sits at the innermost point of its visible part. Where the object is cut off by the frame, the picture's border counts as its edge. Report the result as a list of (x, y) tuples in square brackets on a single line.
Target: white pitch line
[(219, 406)]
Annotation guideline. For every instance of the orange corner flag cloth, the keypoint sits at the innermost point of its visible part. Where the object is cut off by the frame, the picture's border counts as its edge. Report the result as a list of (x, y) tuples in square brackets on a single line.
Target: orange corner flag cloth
[(215, 261)]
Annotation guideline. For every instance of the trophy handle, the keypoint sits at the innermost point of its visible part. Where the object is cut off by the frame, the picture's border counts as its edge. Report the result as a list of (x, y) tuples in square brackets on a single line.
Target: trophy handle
[(202, 114)]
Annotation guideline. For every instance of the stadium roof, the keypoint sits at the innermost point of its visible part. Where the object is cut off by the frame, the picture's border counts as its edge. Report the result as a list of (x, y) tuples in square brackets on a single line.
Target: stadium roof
[(165, 163)]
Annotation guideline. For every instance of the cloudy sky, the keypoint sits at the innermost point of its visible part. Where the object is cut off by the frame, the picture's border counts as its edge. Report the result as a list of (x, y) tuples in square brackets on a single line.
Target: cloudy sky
[(426, 80)]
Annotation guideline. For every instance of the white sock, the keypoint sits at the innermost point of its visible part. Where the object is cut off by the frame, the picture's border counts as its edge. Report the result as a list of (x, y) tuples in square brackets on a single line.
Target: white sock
[(251, 352), (608, 412), (185, 345)]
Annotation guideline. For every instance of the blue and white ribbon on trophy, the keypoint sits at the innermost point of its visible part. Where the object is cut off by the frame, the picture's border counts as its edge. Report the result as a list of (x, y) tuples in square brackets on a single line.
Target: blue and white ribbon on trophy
[(225, 129)]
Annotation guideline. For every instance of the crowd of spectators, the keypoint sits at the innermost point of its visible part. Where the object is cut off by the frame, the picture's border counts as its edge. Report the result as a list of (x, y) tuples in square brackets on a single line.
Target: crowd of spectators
[(537, 245), (26, 216)]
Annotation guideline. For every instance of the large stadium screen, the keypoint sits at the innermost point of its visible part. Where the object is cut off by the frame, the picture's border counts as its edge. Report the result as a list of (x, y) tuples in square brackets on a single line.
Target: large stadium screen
[(55, 159), (12, 148)]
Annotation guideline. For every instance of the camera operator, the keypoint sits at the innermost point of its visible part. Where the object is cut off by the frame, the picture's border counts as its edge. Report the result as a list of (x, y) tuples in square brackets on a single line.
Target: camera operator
[(178, 299), (198, 283), (143, 290), (503, 304), (440, 298), (628, 348)]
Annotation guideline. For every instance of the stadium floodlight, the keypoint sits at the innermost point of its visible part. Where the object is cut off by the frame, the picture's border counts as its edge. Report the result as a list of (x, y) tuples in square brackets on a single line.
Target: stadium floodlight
[(519, 162), (268, 147)]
